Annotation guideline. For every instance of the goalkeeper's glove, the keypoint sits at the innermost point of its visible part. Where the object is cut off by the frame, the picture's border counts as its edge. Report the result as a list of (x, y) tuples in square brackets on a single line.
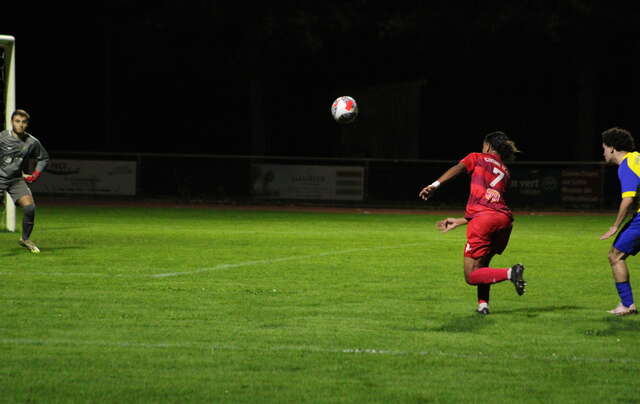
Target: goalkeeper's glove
[(33, 177)]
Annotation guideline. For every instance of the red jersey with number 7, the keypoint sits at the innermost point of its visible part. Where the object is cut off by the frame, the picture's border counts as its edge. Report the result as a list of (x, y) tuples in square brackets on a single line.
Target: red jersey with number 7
[(489, 182)]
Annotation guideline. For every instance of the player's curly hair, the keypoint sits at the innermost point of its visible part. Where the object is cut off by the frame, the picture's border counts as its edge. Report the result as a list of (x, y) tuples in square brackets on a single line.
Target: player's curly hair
[(500, 142), (618, 138)]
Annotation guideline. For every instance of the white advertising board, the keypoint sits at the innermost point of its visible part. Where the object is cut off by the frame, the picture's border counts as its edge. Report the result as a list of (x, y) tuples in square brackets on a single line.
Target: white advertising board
[(283, 181), (88, 177)]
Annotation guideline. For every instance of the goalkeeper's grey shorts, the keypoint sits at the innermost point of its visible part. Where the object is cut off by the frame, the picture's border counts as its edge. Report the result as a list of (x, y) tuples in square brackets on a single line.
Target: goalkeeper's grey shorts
[(16, 189)]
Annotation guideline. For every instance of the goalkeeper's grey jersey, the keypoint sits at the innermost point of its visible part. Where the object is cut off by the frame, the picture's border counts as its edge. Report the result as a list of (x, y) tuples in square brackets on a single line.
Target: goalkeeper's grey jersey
[(15, 155)]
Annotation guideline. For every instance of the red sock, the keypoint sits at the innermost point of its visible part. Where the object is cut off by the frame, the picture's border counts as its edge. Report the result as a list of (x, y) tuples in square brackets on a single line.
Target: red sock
[(488, 275)]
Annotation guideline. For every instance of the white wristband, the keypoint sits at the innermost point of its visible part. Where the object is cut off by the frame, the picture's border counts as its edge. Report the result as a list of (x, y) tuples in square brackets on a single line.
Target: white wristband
[(435, 184)]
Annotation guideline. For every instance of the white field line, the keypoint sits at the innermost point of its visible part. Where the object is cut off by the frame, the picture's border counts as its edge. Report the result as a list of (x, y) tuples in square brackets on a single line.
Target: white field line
[(309, 348), (219, 267), (282, 259)]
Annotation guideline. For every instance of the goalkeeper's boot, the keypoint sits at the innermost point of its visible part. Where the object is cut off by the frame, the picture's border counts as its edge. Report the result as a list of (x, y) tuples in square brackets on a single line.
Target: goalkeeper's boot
[(517, 272), (483, 308), (622, 310), (29, 245)]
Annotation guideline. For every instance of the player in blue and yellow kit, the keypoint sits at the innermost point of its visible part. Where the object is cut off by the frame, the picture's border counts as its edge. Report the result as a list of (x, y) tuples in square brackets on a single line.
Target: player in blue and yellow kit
[(618, 146)]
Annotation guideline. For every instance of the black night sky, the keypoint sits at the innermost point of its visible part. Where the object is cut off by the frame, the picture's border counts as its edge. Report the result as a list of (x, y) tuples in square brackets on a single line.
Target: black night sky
[(431, 77)]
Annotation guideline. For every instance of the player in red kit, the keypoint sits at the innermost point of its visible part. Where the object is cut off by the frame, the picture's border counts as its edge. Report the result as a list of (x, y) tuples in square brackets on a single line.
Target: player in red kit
[(487, 216)]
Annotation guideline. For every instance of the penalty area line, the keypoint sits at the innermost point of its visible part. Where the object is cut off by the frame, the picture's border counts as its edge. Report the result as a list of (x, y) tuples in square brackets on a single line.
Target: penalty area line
[(268, 261)]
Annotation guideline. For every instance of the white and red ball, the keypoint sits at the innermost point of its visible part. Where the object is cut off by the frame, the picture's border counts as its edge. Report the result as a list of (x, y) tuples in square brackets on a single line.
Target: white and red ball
[(344, 109)]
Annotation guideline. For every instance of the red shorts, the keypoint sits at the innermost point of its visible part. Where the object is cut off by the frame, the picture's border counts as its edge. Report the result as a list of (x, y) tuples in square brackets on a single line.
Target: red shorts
[(487, 233)]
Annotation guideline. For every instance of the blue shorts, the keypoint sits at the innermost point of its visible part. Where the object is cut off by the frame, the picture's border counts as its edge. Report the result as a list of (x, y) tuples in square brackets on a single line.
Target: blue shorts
[(628, 239)]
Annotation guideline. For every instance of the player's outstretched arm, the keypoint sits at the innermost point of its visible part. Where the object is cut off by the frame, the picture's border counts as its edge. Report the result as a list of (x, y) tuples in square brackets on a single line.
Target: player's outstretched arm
[(623, 210), (451, 223), (454, 171)]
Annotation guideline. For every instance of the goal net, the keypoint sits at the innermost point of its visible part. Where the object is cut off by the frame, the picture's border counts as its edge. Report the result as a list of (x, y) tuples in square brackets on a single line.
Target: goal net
[(8, 99)]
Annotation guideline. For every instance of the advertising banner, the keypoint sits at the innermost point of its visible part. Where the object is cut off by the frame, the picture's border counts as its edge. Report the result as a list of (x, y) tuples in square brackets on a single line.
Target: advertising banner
[(566, 187), (88, 177), (283, 181)]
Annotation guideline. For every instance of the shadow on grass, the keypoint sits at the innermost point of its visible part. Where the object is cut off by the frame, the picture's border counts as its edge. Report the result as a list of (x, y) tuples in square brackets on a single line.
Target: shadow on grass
[(474, 322), (53, 249), (535, 311), (12, 252), (55, 228), (616, 326)]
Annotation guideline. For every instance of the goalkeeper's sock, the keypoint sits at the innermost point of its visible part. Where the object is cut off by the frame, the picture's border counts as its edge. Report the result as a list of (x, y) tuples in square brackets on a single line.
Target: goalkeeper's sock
[(28, 219), (488, 275), (625, 293)]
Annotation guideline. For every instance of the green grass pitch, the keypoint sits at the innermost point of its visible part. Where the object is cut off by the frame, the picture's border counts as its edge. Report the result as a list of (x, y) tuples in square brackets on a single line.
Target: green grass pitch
[(171, 305)]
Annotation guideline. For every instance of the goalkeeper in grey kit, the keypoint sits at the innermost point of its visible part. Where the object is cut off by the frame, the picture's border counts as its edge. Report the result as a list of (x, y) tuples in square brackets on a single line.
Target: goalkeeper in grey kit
[(16, 148)]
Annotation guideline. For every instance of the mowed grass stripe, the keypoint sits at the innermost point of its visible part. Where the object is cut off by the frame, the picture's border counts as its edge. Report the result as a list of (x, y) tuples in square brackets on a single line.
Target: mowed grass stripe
[(219, 267), (349, 351)]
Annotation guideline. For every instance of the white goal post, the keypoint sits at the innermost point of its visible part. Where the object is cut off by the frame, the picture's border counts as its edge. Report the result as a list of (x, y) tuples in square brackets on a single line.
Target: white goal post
[(8, 45)]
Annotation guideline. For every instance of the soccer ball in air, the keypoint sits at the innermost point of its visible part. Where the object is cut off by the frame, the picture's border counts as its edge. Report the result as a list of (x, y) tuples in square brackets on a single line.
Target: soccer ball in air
[(344, 109)]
